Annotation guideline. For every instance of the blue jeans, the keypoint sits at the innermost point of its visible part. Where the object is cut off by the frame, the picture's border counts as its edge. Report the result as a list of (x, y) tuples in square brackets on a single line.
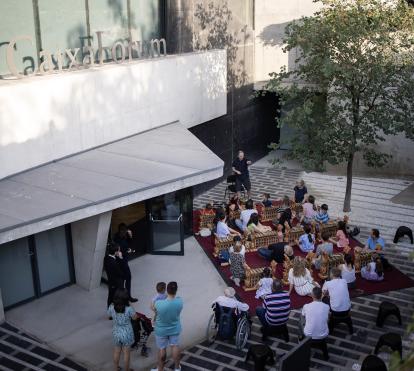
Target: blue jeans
[(260, 313), (264, 252)]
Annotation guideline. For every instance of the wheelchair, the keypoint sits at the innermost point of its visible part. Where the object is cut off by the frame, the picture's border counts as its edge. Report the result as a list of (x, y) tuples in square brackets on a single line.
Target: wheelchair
[(240, 326)]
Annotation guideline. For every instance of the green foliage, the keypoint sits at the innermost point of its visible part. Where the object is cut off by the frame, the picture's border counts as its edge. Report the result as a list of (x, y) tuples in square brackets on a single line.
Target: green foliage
[(353, 80)]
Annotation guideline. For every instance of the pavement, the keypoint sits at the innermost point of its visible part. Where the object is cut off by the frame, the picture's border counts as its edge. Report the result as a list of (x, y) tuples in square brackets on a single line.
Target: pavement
[(73, 321)]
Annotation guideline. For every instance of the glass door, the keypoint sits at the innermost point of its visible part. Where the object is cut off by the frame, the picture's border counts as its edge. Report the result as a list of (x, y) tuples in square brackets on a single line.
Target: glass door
[(16, 275), (166, 225)]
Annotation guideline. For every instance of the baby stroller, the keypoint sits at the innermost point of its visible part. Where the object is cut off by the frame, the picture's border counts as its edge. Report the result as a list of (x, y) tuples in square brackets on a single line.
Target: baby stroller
[(142, 330)]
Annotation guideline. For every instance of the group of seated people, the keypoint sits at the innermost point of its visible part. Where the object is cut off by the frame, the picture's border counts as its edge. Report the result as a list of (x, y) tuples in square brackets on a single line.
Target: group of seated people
[(312, 218)]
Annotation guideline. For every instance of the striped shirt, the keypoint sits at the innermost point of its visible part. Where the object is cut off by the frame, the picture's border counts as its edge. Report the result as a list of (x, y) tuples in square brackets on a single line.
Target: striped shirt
[(277, 305), (322, 217)]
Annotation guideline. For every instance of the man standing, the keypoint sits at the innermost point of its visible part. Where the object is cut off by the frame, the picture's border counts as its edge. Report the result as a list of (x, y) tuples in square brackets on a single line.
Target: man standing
[(240, 167), (315, 315), (123, 238), (168, 327), (276, 308), (113, 271)]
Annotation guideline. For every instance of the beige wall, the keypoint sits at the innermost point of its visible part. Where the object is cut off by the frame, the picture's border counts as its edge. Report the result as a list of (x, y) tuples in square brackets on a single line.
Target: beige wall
[(271, 18)]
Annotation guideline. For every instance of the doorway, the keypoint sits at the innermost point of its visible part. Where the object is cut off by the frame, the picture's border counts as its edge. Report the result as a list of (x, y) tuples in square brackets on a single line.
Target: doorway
[(159, 225)]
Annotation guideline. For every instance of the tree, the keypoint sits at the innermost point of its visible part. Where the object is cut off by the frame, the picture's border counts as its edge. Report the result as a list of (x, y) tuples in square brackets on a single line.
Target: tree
[(352, 84)]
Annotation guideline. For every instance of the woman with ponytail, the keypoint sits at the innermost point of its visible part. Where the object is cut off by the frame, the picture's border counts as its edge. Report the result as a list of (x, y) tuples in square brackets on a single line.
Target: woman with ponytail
[(307, 240)]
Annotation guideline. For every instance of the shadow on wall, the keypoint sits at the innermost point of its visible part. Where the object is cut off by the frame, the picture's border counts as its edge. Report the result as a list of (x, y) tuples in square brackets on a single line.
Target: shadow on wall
[(272, 37)]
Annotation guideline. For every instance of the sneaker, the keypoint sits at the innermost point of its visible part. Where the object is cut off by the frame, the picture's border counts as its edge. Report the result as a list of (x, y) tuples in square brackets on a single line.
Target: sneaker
[(177, 369)]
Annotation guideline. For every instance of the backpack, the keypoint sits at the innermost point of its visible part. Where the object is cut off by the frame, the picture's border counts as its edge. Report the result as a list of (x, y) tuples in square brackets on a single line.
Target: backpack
[(224, 256), (355, 232), (226, 323)]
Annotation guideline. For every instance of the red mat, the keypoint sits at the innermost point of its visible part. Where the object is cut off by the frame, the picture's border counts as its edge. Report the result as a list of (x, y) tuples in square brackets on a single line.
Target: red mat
[(393, 278)]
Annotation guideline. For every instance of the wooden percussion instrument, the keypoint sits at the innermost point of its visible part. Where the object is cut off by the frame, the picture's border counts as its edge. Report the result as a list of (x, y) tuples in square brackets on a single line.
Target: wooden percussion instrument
[(253, 275), (262, 239), (268, 214), (206, 221), (294, 234), (222, 244)]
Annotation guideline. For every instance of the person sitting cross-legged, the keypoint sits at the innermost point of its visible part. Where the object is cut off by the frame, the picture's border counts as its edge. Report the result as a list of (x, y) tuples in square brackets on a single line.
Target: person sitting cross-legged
[(373, 271), (314, 319), (326, 247), (300, 278), (307, 240), (276, 307)]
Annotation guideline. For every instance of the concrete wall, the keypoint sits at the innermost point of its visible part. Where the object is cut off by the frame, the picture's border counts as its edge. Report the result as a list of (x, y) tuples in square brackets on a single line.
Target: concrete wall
[(89, 238), (271, 18), (43, 118)]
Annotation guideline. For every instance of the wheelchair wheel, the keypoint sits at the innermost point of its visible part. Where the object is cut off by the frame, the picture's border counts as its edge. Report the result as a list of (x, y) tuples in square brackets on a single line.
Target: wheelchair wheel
[(242, 333), (212, 329)]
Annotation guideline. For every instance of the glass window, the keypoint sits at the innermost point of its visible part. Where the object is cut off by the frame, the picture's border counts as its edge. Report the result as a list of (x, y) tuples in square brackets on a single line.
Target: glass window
[(111, 17), (16, 278), (52, 259), (62, 25), (17, 20), (145, 19)]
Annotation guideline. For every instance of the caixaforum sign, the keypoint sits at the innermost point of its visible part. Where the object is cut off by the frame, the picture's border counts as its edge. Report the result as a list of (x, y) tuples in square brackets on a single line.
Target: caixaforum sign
[(70, 59)]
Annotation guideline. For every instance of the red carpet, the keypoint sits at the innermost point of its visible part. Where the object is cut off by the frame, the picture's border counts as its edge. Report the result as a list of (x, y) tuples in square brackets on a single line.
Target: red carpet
[(393, 278)]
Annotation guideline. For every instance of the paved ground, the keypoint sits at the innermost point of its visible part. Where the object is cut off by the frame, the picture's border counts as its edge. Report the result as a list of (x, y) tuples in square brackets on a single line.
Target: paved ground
[(73, 321), (371, 207), (19, 351)]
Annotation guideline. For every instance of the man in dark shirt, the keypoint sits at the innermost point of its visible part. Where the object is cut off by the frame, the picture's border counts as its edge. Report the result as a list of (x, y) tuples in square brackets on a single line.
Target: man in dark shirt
[(123, 238), (240, 168), (276, 252), (115, 275)]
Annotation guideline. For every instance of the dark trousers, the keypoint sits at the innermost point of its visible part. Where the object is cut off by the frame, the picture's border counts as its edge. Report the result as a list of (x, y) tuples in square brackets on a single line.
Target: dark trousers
[(127, 276), (111, 293)]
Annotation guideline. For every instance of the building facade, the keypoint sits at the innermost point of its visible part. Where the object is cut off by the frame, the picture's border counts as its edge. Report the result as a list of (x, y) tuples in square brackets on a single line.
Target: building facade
[(118, 111)]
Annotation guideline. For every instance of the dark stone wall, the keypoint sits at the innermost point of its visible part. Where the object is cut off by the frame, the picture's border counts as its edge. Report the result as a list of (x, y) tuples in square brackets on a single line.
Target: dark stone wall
[(251, 129), (250, 122)]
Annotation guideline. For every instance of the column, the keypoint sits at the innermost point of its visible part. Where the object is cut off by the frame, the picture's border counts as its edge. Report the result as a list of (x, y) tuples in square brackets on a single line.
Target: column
[(89, 238)]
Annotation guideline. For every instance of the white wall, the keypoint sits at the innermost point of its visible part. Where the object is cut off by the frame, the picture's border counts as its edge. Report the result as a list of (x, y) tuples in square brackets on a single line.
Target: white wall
[(271, 18), (43, 118)]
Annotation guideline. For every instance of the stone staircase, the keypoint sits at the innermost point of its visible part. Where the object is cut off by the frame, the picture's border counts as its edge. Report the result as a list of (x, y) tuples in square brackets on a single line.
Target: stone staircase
[(371, 208)]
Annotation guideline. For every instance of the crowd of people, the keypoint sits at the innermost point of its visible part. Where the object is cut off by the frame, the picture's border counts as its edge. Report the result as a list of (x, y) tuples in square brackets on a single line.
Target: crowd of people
[(239, 221)]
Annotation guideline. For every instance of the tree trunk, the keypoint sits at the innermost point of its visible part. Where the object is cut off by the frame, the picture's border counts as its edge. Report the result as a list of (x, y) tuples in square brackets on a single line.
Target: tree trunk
[(347, 201)]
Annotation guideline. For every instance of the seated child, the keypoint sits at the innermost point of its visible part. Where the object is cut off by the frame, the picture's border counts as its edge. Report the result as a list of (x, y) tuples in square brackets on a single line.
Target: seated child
[(279, 231), (264, 286), (254, 226), (322, 216), (309, 210), (161, 295), (307, 240), (208, 210), (374, 271), (284, 206), (325, 246), (341, 239), (266, 200)]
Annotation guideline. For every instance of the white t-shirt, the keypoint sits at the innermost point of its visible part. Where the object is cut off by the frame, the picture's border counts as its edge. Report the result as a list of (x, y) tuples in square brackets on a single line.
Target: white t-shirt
[(245, 216), (225, 301), (222, 230), (316, 319), (242, 250), (348, 275), (338, 294)]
